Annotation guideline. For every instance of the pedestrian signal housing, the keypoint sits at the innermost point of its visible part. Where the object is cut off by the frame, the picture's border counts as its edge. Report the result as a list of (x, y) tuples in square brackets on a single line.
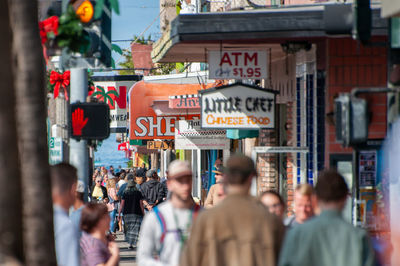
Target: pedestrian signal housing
[(351, 120), (90, 121)]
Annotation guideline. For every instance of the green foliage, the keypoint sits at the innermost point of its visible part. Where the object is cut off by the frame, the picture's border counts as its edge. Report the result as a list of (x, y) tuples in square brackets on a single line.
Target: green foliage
[(127, 63), (129, 164), (98, 9), (71, 33)]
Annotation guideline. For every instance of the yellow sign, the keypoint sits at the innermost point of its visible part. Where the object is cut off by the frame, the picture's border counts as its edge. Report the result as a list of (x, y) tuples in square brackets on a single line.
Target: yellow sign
[(85, 11), (155, 145)]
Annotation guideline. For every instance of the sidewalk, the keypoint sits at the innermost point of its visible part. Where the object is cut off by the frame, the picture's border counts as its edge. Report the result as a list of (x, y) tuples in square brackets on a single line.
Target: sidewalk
[(127, 257)]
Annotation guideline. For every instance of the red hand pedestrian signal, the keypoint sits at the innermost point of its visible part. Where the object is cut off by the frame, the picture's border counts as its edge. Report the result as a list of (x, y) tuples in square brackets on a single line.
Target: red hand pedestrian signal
[(78, 121)]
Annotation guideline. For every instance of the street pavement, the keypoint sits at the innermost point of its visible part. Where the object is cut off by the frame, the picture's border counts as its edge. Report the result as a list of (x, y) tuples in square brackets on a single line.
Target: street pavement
[(127, 257)]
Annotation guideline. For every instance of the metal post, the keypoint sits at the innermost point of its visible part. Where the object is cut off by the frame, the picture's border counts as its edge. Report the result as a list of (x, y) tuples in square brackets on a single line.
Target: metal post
[(79, 152)]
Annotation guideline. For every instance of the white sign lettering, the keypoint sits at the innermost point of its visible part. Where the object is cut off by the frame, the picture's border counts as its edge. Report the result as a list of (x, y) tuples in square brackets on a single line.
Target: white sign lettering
[(237, 64)]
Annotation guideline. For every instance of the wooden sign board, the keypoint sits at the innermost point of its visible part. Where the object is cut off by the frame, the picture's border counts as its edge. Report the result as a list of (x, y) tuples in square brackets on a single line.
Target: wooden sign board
[(156, 145)]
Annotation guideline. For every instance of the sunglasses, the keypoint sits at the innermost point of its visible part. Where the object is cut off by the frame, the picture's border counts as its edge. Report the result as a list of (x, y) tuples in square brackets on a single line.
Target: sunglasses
[(98, 181)]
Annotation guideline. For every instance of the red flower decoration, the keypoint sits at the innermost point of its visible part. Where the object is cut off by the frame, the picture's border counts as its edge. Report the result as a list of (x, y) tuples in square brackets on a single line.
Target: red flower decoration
[(60, 80), (48, 25)]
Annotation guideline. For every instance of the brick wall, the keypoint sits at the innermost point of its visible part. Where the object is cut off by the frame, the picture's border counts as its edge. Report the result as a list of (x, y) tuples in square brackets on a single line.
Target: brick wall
[(267, 163), (351, 65)]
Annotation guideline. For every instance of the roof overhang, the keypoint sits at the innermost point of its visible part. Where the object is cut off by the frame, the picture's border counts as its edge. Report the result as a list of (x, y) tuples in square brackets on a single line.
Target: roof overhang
[(190, 36)]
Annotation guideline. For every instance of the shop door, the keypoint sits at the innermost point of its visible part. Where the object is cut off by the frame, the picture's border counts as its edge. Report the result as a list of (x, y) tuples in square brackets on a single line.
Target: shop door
[(343, 163)]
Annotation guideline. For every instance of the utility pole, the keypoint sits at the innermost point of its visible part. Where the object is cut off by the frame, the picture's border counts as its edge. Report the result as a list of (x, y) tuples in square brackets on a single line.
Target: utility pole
[(79, 152)]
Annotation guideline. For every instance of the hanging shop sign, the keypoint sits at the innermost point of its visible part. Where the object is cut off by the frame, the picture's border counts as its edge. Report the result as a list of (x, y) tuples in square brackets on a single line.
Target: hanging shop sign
[(114, 93), (237, 64), (238, 106), (188, 101), (157, 145), (190, 136)]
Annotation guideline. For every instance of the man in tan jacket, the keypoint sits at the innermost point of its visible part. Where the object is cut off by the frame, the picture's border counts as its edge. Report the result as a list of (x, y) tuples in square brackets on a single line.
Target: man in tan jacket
[(216, 193), (239, 231)]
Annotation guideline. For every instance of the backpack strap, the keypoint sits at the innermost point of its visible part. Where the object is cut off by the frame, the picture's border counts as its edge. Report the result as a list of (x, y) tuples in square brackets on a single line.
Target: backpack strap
[(163, 225)]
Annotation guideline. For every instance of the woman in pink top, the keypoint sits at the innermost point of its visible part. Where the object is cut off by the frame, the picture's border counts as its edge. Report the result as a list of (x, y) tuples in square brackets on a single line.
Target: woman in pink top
[(96, 248)]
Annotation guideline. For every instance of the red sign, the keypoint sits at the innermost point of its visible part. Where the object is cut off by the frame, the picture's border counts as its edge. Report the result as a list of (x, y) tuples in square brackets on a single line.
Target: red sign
[(144, 123), (184, 102), (123, 146)]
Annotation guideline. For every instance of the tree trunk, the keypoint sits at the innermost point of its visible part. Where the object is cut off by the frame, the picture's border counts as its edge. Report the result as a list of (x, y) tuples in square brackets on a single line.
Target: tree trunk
[(32, 134), (10, 190)]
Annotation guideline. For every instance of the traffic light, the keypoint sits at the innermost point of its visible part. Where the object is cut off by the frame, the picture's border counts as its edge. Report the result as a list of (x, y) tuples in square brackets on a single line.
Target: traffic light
[(89, 121), (98, 31), (351, 120), (362, 20)]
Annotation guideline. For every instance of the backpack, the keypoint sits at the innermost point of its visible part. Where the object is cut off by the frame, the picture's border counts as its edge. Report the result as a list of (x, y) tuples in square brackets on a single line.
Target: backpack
[(163, 224)]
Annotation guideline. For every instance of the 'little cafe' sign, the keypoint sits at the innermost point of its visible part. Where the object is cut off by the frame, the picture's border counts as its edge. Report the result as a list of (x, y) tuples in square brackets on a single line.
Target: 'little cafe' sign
[(238, 106)]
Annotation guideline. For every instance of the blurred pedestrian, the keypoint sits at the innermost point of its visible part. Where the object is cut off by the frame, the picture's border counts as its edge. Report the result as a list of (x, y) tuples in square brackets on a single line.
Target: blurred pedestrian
[(328, 239), (63, 189), (79, 203), (152, 190), (216, 192), (274, 202), (99, 192), (239, 230), (140, 178), (129, 177), (112, 202), (303, 205), (97, 248), (165, 230), (132, 208)]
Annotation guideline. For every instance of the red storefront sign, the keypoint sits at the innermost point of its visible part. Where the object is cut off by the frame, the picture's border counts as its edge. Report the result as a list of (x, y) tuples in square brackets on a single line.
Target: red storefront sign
[(184, 102)]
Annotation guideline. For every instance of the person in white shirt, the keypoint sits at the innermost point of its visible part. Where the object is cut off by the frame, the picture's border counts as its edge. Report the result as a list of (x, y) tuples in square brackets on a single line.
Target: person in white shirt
[(166, 228)]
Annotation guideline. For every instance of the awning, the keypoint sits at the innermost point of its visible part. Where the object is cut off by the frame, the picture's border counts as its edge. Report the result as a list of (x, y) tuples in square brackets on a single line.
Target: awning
[(190, 36)]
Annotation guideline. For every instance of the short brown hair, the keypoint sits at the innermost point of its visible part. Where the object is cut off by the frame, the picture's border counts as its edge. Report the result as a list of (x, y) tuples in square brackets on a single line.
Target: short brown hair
[(239, 169), (274, 193), (63, 176), (331, 186), (91, 215), (305, 190)]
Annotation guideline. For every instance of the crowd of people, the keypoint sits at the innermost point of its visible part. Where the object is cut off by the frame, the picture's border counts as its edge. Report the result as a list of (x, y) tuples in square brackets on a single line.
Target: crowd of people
[(167, 226)]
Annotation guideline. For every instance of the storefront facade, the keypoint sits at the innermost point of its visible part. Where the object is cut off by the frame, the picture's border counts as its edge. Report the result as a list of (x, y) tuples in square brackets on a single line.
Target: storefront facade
[(308, 68)]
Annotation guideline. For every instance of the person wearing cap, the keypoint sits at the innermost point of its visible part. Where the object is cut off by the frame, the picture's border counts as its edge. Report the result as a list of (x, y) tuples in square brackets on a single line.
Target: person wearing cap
[(165, 230), (216, 192), (152, 190), (239, 230), (78, 206), (140, 178)]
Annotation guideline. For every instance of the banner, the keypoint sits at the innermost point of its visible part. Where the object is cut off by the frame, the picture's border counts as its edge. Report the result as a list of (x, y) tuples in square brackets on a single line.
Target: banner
[(114, 93), (189, 136)]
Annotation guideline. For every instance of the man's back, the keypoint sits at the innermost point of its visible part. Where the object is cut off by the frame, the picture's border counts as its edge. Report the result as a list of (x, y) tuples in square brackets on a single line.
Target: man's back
[(239, 231), (326, 240), (152, 191)]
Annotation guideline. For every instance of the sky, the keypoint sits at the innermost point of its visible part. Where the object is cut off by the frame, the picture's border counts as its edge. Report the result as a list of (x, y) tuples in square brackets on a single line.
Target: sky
[(135, 16)]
